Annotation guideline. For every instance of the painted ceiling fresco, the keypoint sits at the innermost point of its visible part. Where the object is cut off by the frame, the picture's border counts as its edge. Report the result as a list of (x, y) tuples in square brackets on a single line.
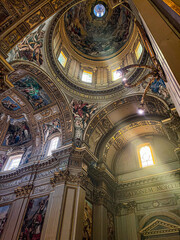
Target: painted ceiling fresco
[(18, 132), (10, 104), (98, 39), (30, 47), (33, 92)]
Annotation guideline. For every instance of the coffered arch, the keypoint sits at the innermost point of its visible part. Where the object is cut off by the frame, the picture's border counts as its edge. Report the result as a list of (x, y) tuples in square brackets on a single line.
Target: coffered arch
[(118, 124)]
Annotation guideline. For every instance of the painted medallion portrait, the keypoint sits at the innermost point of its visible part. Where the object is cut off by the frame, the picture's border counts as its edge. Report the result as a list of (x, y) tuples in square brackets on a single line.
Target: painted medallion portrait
[(10, 104)]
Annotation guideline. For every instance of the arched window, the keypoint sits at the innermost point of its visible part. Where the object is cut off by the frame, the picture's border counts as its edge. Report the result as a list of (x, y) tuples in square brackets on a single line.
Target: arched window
[(53, 145), (145, 155), (12, 162)]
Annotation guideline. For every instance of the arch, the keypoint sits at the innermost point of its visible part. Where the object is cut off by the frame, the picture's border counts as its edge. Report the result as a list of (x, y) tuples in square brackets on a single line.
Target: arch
[(57, 97), (154, 214)]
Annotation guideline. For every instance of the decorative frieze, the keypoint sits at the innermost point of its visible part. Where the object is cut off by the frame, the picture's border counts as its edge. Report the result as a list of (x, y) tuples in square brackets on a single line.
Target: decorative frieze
[(148, 190), (167, 202)]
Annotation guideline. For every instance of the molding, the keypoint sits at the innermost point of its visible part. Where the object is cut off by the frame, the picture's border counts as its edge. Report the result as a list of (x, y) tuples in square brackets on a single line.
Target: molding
[(24, 190)]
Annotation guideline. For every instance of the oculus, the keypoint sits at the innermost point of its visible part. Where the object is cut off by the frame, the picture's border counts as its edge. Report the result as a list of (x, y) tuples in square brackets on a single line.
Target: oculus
[(99, 10)]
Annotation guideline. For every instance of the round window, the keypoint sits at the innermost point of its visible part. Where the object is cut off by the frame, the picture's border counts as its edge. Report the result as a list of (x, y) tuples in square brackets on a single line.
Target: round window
[(99, 10)]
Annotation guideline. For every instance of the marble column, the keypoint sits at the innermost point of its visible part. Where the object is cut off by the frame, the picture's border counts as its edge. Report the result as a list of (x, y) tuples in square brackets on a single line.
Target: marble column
[(99, 222), (50, 226), (126, 227), (71, 222)]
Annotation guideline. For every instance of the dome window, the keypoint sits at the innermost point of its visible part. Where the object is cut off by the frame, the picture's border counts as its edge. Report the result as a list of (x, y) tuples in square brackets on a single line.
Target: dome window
[(53, 145), (145, 155), (62, 59), (13, 162), (138, 50), (116, 74), (99, 10), (87, 77)]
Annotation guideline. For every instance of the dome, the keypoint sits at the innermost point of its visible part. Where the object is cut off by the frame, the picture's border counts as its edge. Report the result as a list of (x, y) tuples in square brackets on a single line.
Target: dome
[(89, 44), (96, 30)]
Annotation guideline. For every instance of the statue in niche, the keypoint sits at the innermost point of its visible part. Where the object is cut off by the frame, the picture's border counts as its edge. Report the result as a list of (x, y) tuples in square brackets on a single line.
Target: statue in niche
[(51, 127), (82, 113)]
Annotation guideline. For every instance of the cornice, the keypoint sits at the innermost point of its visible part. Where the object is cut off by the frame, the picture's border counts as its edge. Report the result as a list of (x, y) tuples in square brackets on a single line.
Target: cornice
[(141, 182)]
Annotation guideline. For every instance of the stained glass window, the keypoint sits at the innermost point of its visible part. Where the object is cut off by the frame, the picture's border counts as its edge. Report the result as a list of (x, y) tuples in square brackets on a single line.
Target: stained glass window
[(87, 77), (145, 155), (53, 145), (62, 59), (99, 10), (138, 50), (116, 74), (13, 162)]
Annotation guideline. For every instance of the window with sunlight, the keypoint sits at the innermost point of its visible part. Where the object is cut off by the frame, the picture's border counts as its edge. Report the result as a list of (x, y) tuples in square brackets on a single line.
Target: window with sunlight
[(116, 74), (62, 59), (145, 155), (87, 77), (138, 50), (13, 162), (53, 145)]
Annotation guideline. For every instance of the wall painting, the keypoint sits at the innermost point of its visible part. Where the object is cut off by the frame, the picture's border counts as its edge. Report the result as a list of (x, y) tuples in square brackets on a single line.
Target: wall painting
[(87, 221), (10, 104), (26, 155), (4, 210), (34, 218), (18, 132), (33, 92)]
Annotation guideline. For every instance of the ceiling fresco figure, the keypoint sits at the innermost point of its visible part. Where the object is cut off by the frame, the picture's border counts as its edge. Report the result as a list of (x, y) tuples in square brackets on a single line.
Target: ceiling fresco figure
[(33, 92), (18, 132)]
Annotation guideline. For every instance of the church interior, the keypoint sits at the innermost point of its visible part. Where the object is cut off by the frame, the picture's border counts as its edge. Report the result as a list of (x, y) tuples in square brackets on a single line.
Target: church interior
[(89, 120)]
